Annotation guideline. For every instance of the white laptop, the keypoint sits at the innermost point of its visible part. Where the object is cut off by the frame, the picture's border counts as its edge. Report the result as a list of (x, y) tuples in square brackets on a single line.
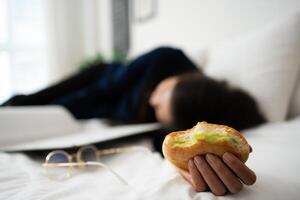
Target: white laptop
[(52, 127)]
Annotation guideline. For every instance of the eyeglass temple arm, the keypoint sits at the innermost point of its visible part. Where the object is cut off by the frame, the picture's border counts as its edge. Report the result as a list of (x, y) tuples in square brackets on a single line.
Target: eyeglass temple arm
[(109, 169), (77, 164)]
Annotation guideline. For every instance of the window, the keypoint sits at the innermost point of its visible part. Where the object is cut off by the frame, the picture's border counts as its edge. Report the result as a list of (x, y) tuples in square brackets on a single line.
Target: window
[(22, 47)]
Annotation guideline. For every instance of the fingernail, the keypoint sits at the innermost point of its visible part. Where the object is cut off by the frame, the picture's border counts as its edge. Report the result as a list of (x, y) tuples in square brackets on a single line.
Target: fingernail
[(190, 163), (228, 157), (210, 157), (199, 159)]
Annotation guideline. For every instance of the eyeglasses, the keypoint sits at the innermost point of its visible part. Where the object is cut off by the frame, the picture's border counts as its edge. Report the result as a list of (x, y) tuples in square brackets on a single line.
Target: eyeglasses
[(59, 163)]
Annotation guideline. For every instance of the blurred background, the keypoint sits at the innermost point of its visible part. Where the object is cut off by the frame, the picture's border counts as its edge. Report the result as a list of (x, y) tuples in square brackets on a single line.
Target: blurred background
[(42, 41)]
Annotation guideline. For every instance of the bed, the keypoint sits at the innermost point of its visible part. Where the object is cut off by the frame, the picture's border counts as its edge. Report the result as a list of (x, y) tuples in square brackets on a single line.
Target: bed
[(274, 158)]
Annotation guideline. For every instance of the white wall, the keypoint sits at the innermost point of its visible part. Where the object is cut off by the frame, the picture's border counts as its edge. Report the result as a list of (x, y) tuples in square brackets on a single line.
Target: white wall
[(195, 24), (76, 30)]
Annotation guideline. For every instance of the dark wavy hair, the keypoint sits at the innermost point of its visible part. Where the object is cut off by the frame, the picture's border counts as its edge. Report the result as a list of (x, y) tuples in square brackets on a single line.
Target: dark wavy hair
[(197, 97)]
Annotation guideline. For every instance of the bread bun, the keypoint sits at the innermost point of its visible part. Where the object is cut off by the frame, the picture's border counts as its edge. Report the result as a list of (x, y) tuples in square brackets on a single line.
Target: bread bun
[(179, 147)]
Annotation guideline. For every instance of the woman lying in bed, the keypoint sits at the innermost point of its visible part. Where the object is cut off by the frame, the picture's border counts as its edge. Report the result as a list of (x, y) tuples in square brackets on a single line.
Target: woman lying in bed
[(165, 86)]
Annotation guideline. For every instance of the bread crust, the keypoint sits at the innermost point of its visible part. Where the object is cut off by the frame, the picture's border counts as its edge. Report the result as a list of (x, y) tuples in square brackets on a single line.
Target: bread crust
[(180, 155)]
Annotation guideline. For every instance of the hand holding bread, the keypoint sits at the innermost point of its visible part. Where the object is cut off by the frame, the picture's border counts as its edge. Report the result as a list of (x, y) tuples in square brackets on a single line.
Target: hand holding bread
[(210, 156)]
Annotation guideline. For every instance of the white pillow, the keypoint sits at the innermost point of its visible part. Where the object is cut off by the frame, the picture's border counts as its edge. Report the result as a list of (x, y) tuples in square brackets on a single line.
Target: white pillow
[(263, 63), (198, 57)]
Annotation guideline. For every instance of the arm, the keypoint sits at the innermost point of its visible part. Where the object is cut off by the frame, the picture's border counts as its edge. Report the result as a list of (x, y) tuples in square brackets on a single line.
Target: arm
[(218, 174)]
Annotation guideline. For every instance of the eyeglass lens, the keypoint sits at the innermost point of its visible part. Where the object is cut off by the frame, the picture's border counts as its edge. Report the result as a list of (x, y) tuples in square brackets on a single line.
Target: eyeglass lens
[(58, 158), (88, 154), (61, 172)]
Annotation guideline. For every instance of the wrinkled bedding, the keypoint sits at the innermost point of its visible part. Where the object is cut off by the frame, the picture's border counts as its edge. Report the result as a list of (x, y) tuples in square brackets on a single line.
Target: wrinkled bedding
[(275, 159)]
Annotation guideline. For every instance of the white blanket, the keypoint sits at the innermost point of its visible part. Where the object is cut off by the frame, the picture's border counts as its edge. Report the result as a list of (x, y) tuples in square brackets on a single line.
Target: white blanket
[(275, 159)]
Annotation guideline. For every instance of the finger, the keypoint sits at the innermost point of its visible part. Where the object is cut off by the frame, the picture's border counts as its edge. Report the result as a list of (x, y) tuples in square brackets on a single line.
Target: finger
[(196, 177), (239, 168), (213, 182), (224, 173), (186, 176)]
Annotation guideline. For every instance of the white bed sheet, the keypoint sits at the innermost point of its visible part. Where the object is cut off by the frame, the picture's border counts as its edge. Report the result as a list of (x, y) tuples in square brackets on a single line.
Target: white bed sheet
[(275, 159)]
